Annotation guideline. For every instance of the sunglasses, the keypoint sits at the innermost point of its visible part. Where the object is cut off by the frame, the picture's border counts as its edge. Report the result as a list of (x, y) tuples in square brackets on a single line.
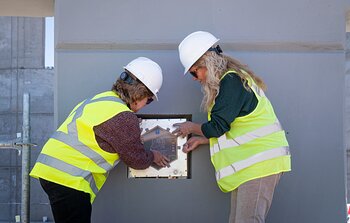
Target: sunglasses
[(149, 100)]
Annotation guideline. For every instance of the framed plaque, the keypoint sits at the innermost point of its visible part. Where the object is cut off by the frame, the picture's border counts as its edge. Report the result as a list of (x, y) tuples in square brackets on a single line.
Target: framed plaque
[(156, 134)]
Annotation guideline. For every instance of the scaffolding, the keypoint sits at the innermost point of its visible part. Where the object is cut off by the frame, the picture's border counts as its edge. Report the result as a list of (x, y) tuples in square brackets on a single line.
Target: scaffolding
[(23, 145)]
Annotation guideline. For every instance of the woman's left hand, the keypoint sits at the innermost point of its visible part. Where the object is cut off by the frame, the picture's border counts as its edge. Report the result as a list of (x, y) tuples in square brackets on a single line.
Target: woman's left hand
[(193, 143)]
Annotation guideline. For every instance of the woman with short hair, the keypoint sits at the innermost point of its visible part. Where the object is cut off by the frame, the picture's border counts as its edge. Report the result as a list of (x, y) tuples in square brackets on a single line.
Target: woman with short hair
[(99, 132)]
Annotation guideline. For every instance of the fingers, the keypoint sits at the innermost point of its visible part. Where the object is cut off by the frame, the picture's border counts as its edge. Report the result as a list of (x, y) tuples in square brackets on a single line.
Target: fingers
[(163, 162), (187, 147), (181, 129), (192, 144), (160, 159), (166, 158), (177, 131)]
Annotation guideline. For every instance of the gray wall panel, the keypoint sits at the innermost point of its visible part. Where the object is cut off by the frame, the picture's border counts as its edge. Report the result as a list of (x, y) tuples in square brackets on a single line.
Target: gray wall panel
[(101, 70), (164, 21), (306, 90)]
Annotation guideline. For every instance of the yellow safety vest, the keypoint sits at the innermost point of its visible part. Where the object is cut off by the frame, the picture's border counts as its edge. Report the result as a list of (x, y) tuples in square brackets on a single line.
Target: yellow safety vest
[(254, 147), (72, 156)]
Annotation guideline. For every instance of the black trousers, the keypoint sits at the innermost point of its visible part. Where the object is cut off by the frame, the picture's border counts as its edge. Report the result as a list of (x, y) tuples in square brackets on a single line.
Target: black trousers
[(68, 205)]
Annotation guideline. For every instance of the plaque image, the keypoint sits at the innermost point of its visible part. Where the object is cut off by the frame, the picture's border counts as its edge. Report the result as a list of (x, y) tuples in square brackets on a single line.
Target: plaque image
[(162, 140), (157, 135)]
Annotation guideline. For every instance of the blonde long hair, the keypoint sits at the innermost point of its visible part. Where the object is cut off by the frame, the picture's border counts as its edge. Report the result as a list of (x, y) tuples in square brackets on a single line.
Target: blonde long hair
[(217, 65)]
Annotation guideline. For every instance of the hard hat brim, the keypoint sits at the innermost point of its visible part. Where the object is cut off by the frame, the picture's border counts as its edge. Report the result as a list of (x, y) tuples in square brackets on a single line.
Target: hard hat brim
[(189, 67)]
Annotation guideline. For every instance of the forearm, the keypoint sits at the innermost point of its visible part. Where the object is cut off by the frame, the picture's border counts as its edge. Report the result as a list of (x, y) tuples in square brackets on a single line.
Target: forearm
[(137, 159), (121, 134), (196, 129)]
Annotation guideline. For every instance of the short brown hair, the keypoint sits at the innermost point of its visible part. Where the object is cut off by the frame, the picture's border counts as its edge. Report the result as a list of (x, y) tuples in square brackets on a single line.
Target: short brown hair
[(130, 93)]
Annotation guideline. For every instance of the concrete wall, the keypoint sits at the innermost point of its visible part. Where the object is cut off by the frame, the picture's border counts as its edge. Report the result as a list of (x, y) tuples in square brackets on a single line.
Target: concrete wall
[(22, 70), (297, 47)]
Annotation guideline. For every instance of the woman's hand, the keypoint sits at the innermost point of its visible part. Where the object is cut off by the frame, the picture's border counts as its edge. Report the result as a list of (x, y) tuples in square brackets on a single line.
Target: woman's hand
[(160, 159), (193, 143), (185, 128)]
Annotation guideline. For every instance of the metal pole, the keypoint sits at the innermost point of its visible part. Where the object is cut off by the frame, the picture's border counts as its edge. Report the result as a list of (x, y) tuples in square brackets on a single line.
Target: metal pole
[(25, 198)]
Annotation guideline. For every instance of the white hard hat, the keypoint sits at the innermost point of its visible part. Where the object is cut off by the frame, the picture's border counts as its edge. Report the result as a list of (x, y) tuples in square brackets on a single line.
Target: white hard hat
[(148, 72), (194, 46)]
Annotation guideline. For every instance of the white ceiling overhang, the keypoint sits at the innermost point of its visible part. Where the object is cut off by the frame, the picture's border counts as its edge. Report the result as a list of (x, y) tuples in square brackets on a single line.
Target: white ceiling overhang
[(27, 8)]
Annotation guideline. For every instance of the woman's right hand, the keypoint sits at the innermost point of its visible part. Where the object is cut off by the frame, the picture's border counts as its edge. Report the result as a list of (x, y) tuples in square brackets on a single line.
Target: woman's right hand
[(160, 159), (193, 143)]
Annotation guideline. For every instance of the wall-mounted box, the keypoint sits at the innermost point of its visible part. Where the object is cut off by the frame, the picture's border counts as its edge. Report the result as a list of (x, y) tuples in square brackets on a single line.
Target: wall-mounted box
[(157, 135)]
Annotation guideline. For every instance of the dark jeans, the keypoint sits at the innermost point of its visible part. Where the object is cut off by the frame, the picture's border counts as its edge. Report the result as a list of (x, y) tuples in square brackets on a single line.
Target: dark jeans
[(68, 205)]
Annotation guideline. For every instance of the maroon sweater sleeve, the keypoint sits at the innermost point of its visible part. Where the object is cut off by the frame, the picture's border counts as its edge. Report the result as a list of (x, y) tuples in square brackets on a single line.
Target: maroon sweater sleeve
[(121, 134)]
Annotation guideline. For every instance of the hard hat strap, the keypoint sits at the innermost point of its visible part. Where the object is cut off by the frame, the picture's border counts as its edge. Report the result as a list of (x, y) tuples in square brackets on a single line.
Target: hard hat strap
[(217, 49)]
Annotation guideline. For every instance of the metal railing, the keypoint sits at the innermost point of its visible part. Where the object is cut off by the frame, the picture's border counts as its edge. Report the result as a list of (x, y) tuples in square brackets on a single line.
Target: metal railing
[(23, 145)]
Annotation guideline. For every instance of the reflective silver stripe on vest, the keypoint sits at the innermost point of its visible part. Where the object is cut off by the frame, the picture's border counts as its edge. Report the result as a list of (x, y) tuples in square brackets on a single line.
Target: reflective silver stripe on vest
[(76, 144), (68, 168), (224, 142), (71, 139), (237, 166), (258, 90)]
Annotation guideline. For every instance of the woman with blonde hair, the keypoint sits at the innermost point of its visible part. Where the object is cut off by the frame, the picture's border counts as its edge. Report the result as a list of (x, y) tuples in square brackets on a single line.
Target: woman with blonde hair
[(248, 146)]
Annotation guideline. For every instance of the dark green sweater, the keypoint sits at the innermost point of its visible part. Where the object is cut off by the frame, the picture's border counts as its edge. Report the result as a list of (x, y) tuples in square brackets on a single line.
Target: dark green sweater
[(232, 101)]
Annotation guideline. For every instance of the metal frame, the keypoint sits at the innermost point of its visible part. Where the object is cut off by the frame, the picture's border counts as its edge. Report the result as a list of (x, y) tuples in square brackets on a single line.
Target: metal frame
[(155, 127)]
